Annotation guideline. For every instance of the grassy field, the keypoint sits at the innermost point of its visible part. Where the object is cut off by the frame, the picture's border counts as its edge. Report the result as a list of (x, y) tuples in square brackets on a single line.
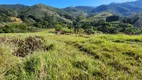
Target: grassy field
[(70, 57)]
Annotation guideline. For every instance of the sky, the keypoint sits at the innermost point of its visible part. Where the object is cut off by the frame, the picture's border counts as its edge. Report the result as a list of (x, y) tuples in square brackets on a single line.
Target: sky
[(63, 3)]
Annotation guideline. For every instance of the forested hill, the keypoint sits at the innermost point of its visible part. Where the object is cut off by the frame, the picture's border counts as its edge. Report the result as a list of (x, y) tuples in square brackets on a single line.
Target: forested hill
[(70, 13), (124, 9), (32, 13)]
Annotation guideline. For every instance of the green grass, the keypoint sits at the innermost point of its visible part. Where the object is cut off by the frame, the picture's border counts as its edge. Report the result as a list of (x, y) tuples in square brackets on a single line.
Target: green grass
[(74, 57)]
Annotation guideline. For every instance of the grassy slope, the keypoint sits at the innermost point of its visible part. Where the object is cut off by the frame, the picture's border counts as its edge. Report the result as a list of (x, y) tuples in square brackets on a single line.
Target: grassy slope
[(75, 57)]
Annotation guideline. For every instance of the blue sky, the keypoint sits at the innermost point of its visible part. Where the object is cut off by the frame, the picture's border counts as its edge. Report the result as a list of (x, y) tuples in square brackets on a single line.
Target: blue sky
[(63, 3)]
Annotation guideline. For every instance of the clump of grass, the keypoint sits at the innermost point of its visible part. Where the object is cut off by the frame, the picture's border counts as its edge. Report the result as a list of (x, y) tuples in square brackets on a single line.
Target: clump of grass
[(29, 45), (7, 60), (134, 40)]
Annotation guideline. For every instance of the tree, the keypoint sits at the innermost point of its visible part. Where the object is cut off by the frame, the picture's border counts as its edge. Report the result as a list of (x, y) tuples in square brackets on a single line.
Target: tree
[(78, 29), (112, 18), (58, 27), (86, 25), (70, 26)]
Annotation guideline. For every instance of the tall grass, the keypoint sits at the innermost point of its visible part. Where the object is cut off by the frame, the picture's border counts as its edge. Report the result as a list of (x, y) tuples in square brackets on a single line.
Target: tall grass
[(74, 57)]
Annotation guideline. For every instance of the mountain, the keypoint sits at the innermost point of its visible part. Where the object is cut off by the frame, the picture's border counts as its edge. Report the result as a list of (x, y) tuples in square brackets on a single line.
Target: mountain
[(86, 9), (16, 6), (37, 12), (33, 13), (12, 10), (125, 9), (75, 11), (137, 3), (100, 16)]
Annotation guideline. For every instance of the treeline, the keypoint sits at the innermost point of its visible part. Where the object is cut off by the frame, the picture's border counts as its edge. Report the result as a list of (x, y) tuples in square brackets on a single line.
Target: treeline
[(112, 25), (99, 27), (78, 26), (17, 28)]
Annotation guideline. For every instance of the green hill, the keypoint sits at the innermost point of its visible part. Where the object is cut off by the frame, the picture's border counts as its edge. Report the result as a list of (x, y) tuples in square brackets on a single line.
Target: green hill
[(99, 16), (75, 11), (32, 13), (125, 9), (42, 11)]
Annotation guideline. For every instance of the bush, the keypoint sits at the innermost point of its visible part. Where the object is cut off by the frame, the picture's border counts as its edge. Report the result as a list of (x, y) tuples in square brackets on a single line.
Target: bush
[(17, 28), (58, 27), (66, 30), (132, 30), (90, 31)]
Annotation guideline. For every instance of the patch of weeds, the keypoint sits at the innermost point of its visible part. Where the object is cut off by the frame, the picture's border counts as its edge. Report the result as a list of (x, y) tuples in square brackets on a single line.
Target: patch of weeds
[(95, 41), (32, 65), (107, 49), (81, 76), (133, 56), (119, 41), (96, 56), (130, 54), (81, 65), (49, 47), (134, 40), (107, 55), (138, 58), (119, 67)]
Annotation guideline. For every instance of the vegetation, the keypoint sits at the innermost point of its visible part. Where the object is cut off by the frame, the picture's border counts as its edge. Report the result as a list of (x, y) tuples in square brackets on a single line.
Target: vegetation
[(17, 28), (41, 42), (70, 57), (72, 19)]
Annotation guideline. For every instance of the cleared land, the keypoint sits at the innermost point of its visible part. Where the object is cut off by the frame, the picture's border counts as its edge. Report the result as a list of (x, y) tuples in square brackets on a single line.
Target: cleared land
[(70, 57)]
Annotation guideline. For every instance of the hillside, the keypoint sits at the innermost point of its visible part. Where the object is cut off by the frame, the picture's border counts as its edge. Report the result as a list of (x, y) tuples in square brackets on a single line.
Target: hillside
[(42, 11), (32, 13), (90, 19), (100, 16), (75, 11), (37, 12), (86, 9), (125, 9), (136, 3)]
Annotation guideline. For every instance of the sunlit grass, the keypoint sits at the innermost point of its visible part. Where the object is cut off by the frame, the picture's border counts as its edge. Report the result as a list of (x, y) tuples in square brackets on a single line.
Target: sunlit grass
[(75, 57)]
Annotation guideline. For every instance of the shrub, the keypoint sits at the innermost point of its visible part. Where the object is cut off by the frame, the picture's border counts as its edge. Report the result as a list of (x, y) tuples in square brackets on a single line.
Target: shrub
[(17, 28), (50, 47), (58, 27), (90, 31), (66, 30)]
